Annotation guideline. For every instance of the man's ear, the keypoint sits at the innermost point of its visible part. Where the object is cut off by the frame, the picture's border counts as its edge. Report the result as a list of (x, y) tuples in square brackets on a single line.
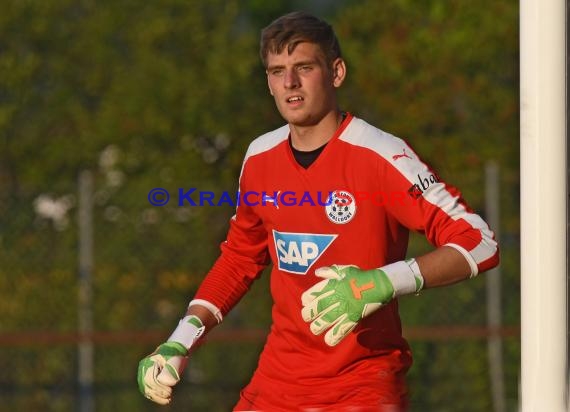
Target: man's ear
[(339, 72)]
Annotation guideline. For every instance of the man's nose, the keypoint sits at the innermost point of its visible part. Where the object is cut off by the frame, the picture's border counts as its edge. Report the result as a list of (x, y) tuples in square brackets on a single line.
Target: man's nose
[(291, 80)]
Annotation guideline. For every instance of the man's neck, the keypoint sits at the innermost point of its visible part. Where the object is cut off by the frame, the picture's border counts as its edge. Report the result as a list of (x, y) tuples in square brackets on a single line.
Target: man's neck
[(307, 138)]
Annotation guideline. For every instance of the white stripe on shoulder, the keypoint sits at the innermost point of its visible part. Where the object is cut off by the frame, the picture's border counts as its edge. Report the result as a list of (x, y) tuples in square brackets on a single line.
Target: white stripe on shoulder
[(267, 141), (393, 149), (264, 143), (400, 155)]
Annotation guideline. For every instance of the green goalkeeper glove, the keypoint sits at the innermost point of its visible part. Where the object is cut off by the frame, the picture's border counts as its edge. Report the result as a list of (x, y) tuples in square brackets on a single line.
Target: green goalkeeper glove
[(160, 371), (347, 294)]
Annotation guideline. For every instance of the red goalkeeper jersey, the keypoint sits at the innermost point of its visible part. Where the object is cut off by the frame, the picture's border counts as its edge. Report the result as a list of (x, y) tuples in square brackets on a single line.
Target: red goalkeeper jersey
[(354, 205)]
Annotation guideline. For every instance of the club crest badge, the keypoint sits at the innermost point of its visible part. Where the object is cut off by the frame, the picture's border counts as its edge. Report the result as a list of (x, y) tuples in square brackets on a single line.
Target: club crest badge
[(341, 207)]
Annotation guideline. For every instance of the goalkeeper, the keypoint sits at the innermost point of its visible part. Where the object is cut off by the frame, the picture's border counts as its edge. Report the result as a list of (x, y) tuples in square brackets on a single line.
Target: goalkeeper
[(336, 342)]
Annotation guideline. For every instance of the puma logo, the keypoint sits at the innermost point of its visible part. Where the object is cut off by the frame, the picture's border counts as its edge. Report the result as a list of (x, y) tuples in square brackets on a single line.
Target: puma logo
[(404, 154)]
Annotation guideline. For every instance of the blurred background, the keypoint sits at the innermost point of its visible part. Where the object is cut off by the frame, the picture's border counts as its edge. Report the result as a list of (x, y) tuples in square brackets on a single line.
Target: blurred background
[(102, 101)]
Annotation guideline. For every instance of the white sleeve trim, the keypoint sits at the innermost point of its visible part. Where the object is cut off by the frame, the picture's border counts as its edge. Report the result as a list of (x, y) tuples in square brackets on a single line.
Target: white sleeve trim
[(470, 260), (210, 306)]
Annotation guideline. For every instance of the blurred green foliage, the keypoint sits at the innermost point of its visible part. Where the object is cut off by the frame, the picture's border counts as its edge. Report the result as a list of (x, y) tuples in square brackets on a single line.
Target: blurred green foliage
[(169, 94)]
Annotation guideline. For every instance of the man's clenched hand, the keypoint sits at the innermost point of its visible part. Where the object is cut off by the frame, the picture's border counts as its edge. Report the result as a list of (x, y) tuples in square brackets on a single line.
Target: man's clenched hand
[(347, 294)]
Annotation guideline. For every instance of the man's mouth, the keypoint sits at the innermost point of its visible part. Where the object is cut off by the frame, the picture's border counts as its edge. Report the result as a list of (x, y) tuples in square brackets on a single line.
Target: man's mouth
[(294, 99)]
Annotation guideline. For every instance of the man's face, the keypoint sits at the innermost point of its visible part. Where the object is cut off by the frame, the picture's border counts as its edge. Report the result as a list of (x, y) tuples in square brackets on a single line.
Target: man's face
[(303, 85)]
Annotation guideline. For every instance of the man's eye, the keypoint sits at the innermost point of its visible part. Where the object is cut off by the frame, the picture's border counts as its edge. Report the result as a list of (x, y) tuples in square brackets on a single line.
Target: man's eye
[(304, 68), (277, 72)]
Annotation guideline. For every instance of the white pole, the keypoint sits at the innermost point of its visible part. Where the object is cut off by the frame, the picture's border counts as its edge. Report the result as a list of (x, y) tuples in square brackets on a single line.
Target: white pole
[(85, 311), (543, 205)]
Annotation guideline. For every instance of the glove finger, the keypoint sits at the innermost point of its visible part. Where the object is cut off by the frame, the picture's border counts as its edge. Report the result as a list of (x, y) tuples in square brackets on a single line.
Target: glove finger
[(170, 373), (313, 292), (163, 392), (148, 370), (342, 327), (152, 389), (152, 383), (328, 272), (159, 397), (333, 271), (144, 366), (323, 322), (311, 307)]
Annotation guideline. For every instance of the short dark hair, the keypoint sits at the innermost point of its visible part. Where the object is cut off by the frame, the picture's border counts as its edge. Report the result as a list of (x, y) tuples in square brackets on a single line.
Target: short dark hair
[(298, 27)]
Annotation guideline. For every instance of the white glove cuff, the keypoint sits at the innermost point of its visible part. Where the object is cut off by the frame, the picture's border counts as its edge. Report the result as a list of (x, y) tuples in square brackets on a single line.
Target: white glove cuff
[(405, 276), (189, 329)]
